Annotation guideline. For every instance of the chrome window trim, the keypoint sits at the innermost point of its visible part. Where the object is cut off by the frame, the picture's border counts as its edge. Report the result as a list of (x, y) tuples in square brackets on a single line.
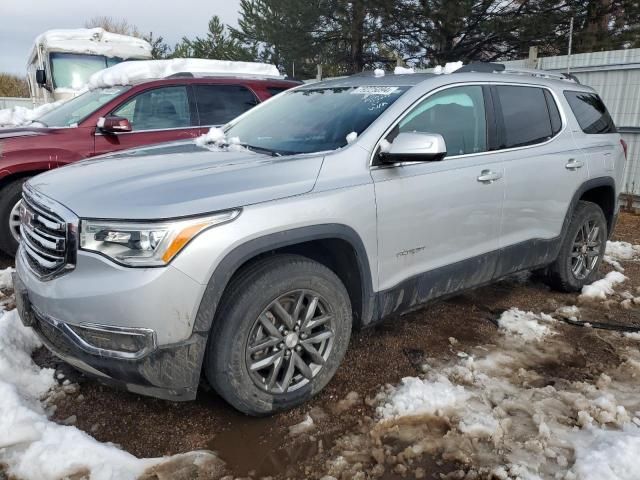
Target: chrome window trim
[(100, 134), (559, 105)]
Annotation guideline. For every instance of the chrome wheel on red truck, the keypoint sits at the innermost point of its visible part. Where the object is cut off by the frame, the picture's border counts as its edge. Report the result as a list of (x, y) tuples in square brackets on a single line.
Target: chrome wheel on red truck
[(10, 197)]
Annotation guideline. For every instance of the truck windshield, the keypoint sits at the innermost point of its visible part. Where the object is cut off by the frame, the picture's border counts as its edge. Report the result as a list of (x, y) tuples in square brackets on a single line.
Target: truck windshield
[(313, 120), (72, 70), (78, 108)]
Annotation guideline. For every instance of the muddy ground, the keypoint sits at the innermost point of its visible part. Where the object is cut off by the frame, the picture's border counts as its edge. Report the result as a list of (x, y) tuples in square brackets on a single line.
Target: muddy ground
[(384, 354)]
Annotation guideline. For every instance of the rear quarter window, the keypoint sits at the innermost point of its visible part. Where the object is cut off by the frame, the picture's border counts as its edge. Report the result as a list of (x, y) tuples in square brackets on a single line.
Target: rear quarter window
[(526, 115), (591, 113)]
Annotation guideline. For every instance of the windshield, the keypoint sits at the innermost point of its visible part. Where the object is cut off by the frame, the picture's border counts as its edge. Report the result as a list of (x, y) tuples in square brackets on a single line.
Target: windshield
[(313, 120), (76, 109), (72, 70)]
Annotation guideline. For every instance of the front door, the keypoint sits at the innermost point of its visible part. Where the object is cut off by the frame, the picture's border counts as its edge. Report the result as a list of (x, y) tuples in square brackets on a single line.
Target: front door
[(438, 222), (157, 115)]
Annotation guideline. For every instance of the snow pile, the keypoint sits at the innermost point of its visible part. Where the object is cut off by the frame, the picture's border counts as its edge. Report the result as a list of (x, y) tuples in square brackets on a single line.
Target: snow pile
[(525, 324), (352, 137), (620, 251), (495, 413), (127, 72), (449, 67), (17, 116), (403, 70), (5, 278), (378, 72), (216, 140), (599, 289), (34, 448), (417, 396), (94, 41)]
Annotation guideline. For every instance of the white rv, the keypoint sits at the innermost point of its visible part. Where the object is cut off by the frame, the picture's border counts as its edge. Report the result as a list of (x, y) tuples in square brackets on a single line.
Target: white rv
[(61, 61)]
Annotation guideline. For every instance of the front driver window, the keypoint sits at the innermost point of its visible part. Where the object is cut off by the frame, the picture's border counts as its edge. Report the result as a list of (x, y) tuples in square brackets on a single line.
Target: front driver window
[(457, 114), (157, 109)]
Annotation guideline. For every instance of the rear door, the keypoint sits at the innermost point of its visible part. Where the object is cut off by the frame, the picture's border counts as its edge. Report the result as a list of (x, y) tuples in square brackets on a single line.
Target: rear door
[(157, 115), (596, 133), (543, 169), (218, 104), (438, 222)]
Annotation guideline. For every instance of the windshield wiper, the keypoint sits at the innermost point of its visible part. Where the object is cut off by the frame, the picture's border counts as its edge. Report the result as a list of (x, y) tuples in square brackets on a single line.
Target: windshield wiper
[(268, 151)]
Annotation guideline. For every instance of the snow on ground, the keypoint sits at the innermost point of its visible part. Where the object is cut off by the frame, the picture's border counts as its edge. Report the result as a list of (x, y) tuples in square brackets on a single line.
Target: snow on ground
[(34, 448), (620, 251), (493, 411), (5, 278), (599, 289), (525, 324), (126, 72), (17, 116)]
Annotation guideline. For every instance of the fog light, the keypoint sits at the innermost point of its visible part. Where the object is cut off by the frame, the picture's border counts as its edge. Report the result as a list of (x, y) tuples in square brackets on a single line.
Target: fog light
[(115, 341)]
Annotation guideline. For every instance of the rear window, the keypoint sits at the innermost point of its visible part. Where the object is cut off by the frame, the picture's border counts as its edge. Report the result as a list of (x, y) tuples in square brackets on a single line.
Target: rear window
[(217, 104), (526, 116), (591, 113)]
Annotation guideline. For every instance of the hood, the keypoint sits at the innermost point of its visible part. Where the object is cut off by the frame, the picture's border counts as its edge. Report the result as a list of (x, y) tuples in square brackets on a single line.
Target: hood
[(187, 181)]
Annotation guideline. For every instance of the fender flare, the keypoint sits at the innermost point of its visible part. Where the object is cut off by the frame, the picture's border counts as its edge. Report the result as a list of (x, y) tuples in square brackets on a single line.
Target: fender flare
[(250, 249), (584, 187)]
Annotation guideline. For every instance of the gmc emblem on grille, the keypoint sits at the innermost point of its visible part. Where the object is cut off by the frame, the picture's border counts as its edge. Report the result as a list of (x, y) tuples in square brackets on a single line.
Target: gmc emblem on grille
[(26, 215)]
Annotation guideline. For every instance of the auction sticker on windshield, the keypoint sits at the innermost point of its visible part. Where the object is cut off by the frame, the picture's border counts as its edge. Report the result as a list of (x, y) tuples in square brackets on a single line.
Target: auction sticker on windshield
[(369, 90)]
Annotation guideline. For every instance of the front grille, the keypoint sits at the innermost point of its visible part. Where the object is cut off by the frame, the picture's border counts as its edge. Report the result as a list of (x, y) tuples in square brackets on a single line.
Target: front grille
[(47, 235)]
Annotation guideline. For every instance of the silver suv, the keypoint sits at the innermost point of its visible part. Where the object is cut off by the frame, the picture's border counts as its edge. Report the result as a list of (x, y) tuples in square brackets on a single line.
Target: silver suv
[(250, 254)]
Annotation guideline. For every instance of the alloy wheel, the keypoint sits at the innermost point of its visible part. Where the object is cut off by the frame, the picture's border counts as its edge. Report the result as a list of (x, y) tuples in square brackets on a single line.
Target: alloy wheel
[(585, 251), (290, 341), (14, 221)]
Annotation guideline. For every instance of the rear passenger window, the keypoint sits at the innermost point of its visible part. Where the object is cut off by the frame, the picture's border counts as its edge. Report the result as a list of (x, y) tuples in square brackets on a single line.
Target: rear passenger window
[(276, 90), (590, 112), (218, 104), (527, 120), (457, 114)]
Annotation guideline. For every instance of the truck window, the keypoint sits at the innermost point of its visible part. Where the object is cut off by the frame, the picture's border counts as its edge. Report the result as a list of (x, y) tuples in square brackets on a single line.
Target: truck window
[(157, 109), (455, 113), (591, 113), (217, 104), (526, 116), (72, 70)]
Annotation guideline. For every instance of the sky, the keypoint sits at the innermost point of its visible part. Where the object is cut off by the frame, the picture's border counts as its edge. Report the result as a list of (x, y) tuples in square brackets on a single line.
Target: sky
[(22, 20)]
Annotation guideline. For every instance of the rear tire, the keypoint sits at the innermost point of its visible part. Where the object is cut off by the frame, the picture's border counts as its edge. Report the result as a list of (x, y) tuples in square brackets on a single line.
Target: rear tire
[(10, 195), (281, 331), (581, 252)]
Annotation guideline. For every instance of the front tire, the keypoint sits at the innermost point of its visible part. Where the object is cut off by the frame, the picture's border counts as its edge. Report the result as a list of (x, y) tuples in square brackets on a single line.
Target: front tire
[(10, 197), (281, 332), (582, 250)]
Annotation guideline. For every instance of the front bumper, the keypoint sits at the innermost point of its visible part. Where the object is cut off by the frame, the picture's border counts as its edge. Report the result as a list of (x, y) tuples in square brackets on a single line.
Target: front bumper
[(127, 353)]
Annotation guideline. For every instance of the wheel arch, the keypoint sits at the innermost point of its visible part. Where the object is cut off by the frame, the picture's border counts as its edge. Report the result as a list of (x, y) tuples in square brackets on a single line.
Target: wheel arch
[(336, 246), (602, 192)]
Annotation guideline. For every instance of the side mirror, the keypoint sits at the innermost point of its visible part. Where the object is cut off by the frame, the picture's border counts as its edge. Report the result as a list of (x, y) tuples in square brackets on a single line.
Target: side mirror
[(41, 77), (415, 147), (114, 124)]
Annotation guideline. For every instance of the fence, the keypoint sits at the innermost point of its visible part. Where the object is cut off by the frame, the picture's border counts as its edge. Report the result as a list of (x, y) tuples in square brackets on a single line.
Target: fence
[(8, 102)]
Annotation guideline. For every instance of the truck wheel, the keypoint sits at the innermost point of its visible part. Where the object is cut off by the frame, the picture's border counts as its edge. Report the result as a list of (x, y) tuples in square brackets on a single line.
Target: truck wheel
[(280, 334), (10, 197), (582, 250)]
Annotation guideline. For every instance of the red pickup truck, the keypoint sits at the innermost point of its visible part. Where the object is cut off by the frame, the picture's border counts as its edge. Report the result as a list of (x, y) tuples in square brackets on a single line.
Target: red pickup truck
[(115, 118)]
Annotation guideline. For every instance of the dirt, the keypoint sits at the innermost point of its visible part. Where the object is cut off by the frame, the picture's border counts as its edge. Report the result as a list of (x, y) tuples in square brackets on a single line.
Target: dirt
[(377, 356)]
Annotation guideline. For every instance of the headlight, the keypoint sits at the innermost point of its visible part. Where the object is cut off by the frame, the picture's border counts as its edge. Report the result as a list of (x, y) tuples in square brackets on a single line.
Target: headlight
[(145, 244)]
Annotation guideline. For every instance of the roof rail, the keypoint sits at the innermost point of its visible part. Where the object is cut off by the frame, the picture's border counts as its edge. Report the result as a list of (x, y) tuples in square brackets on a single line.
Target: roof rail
[(490, 67), (541, 73)]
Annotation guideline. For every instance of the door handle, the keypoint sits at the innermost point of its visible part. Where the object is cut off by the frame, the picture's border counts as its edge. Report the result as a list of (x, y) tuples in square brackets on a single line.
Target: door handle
[(487, 176), (574, 164)]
